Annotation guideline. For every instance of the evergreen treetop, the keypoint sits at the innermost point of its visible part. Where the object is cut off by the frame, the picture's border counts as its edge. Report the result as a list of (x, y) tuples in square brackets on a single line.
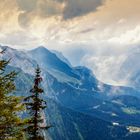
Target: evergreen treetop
[(35, 106)]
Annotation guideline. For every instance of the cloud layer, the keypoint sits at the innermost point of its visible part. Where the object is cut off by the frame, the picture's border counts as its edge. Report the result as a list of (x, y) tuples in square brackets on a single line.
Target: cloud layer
[(67, 9), (76, 8)]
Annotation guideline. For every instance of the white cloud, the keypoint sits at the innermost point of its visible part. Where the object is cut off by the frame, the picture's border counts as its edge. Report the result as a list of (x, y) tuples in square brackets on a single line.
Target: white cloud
[(129, 37), (106, 68)]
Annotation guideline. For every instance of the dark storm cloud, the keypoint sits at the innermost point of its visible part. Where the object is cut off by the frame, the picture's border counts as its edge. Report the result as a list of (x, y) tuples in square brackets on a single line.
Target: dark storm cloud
[(45, 8), (76, 8), (41, 8), (24, 19), (27, 5)]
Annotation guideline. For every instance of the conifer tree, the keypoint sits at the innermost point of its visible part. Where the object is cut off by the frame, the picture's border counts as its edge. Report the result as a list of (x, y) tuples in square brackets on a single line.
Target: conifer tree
[(35, 106), (10, 105)]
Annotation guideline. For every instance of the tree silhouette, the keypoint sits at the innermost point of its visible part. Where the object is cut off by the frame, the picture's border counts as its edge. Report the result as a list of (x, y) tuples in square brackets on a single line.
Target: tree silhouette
[(35, 106), (10, 104)]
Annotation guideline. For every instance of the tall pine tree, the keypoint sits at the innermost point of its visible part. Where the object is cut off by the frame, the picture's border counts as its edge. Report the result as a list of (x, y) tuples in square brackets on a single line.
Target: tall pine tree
[(10, 105), (35, 106)]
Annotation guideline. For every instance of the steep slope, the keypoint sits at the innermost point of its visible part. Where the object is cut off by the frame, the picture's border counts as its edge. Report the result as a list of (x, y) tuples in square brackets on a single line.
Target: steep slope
[(49, 60), (61, 57), (19, 59)]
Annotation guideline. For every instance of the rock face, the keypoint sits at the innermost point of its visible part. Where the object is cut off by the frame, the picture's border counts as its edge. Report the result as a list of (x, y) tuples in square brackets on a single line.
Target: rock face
[(79, 106)]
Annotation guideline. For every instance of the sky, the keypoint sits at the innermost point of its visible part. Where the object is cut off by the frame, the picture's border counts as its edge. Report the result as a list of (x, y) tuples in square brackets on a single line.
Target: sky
[(99, 34)]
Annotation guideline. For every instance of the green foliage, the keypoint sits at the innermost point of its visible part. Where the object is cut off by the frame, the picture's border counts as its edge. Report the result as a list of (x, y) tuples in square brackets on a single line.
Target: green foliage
[(35, 106), (10, 105)]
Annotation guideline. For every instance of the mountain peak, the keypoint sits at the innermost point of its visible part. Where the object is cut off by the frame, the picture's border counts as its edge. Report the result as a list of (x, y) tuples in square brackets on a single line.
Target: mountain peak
[(49, 60), (4, 47), (40, 48)]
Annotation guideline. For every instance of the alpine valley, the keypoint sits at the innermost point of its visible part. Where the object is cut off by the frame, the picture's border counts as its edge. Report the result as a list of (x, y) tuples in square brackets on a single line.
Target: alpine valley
[(79, 106)]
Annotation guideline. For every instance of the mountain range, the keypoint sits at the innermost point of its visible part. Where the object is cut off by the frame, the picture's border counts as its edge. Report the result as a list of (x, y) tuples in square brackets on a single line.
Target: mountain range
[(80, 107)]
